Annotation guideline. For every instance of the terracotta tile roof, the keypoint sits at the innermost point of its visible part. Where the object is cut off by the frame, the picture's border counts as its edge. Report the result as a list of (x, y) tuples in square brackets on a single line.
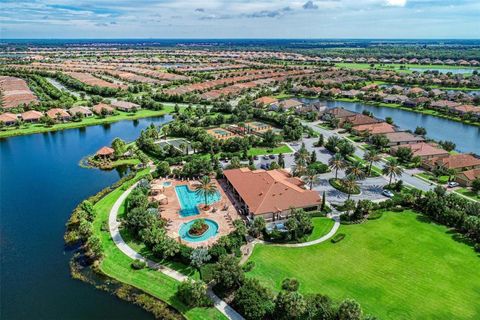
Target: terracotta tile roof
[(8, 117), (340, 112), (266, 100), (423, 149), (270, 191), (31, 115), (470, 174), (105, 151), (375, 128), (359, 119), (98, 108), (52, 113), (402, 136), (83, 110), (458, 161)]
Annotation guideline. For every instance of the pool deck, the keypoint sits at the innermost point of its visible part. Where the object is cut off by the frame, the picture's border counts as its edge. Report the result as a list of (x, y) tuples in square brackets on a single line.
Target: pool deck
[(224, 218)]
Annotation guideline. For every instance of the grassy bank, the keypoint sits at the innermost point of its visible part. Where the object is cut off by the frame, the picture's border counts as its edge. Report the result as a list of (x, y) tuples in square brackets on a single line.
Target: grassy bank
[(92, 121), (321, 226), (117, 265), (398, 267)]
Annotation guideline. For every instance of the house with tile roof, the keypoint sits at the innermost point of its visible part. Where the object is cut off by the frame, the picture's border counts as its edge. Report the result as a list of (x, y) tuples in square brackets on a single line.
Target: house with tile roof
[(457, 162), (466, 178), (270, 194), (423, 150)]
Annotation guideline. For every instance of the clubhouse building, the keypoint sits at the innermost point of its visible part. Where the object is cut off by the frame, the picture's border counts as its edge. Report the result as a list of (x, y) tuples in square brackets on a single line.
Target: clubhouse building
[(269, 194)]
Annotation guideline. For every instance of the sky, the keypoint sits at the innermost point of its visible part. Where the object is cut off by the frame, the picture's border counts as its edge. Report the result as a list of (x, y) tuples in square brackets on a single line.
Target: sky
[(240, 19)]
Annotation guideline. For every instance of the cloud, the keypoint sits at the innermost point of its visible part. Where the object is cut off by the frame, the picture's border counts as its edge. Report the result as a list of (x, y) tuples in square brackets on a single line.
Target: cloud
[(269, 13), (199, 10), (309, 5), (396, 3)]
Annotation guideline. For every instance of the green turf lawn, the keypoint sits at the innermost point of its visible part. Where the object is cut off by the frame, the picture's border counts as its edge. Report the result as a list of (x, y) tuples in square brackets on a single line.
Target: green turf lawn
[(91, 121), (117, 265), (397, 267), (262, 151), (321, 226), (469, 193)]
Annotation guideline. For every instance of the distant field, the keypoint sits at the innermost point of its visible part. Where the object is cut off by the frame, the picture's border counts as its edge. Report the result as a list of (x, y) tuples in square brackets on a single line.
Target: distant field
[(397, 267), (398, 67)]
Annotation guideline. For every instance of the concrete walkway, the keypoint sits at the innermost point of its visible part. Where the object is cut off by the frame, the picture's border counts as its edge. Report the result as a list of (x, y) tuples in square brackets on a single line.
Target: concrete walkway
[(113, 225), (251, 245)]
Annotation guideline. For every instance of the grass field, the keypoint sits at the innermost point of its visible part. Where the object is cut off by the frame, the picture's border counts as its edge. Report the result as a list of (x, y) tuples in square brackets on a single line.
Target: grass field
[(468, 193), (321, 226), (402, 67), (262, 151), (39, 128), (397, 267), (117, 265)]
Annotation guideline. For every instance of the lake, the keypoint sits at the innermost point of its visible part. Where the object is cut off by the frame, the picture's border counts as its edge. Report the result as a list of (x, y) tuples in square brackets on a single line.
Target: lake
[(40, 184), (444, 70), (466, 137)]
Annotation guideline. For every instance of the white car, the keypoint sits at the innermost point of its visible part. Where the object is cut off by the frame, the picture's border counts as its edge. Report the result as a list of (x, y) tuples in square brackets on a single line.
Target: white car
[(452, 184), (387, 193)]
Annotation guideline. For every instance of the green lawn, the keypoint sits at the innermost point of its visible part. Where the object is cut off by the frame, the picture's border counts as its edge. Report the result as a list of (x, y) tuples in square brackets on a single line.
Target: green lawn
[(321, 226), (401, 67), (117, 265), (397, 267), (469, 193), (262, 151), (39, 128)]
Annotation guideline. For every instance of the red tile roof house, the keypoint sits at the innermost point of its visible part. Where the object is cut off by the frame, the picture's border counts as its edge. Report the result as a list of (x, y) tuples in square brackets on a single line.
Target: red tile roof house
[(8, 119), (424, 150), (337, 113), (125, 106), (402, 137), (265, 101), (270, 194), (374, 128), (357, 119), (290, 103), (466, 178), (97, 109), (457, 162), (31, 116), (58, 114), (84, 111)]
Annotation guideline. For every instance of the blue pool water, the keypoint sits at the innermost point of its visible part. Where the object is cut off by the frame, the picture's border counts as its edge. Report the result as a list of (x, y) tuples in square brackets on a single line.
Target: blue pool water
[(189, 200), (211, 232), (167, 183)]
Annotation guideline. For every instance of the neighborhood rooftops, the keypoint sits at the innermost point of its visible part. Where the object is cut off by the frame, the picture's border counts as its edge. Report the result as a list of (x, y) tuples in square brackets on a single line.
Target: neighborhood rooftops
[(270, 191)]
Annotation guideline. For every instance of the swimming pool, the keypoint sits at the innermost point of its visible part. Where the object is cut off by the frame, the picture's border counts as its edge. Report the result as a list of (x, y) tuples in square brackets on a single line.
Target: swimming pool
[(211, 231), (189, 200), (167, 183)]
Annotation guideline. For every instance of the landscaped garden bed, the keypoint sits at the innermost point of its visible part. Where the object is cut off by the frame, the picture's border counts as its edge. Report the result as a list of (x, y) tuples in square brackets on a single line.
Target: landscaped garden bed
[(338, 184)]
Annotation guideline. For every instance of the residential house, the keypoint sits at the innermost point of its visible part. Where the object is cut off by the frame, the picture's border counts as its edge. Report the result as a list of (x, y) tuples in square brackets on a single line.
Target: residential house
[(270, 194), (84, 111), (336, 113), (374, 128), (402, 137), (31, 116), (125, 106), (102, 107), (58, 114), (8, 118), (466, 178), (423, 150), (265, 101), (457, 162), (290, 104), (357, 119)]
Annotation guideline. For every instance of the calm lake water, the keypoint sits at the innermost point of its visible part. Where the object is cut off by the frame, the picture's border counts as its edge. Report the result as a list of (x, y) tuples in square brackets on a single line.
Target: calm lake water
[(40, 184), (466, 137), (446, 70)]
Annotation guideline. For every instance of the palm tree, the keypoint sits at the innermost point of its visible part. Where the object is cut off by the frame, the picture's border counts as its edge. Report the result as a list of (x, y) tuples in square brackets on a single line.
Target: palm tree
[(299, 169), (392, 169), (350, 185), (371, 157), (356, 170), (336, 162), (310, 178), (205, 189)]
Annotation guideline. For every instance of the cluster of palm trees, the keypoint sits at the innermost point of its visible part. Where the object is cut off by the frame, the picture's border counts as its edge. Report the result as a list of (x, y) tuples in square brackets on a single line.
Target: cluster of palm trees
[(356, 170)]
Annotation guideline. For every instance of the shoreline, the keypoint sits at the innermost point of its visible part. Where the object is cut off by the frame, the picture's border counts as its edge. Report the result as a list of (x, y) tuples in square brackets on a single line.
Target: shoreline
[(141, 114)]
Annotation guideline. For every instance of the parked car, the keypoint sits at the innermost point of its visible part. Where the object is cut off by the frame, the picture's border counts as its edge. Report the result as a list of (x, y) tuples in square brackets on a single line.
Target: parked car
[(255, 157), (265, 157), (452, 184), (271, 156), (264, 166), (387, 193)]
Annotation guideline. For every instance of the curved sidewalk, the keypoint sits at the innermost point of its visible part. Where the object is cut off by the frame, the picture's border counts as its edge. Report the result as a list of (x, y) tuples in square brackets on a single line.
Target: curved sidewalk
[(113, 226), (250, 246)]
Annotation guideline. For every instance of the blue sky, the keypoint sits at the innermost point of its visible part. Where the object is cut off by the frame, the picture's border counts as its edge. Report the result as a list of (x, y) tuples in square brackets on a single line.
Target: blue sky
[(240, 19)]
